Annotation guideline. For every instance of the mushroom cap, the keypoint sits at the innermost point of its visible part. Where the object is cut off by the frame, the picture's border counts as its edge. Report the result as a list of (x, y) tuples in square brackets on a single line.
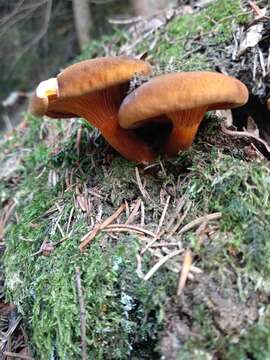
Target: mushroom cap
[(44, 106), (38, 106), (268, 104), (86, 77), (97, 74), (174, 92)]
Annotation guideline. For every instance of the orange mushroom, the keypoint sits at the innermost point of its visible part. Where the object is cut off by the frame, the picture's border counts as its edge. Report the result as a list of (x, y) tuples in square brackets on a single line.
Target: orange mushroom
[(182, 99), (94, 90), (268, 104)]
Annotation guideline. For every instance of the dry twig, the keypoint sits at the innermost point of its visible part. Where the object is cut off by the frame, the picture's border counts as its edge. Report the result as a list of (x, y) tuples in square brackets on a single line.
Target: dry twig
[(180, 220), (134, 212), (159, 226), (161, 262), (245, 134), (185, 271), (142, 214), (90, 236), (5, 216), (130, 228), (5, 336), (200, 220), (179, 207), (139, 266), (17, 356), (140, 185)]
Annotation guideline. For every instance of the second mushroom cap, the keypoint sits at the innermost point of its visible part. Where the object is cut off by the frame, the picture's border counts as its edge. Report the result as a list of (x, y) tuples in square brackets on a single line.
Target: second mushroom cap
[(183, 98)]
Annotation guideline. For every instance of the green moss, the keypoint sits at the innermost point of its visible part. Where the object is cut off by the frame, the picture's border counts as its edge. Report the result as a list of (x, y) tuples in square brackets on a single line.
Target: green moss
[(255, 344), (120, 310), (123, 316), (217, 19), (190, 37), (99, 47), (240, 190)]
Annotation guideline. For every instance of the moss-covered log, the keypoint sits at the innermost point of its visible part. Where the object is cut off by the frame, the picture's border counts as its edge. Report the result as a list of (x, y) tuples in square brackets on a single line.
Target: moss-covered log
[(66, 180)]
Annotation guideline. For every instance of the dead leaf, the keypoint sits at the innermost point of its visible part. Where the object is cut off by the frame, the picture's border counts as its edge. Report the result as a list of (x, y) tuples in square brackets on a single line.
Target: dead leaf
[(252, 36)]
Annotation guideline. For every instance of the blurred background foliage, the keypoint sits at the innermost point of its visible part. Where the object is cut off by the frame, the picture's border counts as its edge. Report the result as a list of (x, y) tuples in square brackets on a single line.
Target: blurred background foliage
[(38, 37)]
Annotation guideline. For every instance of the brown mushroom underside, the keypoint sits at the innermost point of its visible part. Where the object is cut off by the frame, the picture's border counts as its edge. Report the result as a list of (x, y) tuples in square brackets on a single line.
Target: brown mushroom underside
[(100, 109)]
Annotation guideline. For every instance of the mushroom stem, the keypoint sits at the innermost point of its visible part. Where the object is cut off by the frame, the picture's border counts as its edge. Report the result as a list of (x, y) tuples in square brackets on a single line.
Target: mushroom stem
[(127, 143), (100, 109), (185, 126)]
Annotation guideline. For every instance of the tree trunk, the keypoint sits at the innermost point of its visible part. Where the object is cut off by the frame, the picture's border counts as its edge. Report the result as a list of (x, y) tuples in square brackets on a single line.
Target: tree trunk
[(142, 7), (83, 22)]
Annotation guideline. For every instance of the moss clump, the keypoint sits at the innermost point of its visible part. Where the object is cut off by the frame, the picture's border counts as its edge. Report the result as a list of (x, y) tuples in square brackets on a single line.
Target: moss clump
[(224, 302), (187, 41), (120, 311), (123, 313), (240, 190), (254, 344)]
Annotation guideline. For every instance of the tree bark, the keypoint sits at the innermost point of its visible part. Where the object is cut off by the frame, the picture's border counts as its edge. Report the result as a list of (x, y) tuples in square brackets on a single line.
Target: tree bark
[(83, 22)]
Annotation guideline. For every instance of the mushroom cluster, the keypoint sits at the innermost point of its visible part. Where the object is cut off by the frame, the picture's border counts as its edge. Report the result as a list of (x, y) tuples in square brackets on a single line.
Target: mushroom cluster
[(97, 91)]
